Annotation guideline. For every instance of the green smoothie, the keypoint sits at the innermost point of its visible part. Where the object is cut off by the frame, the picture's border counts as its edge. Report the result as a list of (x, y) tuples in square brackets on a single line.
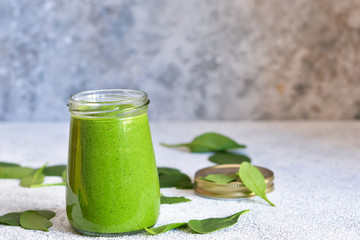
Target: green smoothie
[(112, 185)]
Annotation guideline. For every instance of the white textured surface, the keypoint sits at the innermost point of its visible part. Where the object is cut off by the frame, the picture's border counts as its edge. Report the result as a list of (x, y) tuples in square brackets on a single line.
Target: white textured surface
[(316, 168)]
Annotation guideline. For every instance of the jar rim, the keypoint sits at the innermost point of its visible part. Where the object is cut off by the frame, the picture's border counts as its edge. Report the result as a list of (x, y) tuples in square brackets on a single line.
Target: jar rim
[(119, 102), (129, 95)]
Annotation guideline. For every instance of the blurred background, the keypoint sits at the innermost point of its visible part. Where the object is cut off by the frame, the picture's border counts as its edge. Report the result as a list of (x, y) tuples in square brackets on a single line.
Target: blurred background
[(198, 60)]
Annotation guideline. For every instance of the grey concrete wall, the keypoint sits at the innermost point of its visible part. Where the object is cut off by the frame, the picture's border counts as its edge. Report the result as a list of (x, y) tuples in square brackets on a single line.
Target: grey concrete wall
[(233, 59)]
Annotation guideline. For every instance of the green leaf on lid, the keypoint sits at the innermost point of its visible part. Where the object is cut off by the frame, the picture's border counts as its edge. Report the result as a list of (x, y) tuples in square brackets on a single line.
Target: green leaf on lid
[(220, 178)]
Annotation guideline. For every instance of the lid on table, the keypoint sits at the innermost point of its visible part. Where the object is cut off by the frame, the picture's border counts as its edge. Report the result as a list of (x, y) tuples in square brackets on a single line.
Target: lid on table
[(232, 190)]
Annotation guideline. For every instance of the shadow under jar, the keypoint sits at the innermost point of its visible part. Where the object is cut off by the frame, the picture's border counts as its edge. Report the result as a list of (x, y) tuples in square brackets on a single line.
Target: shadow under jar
[(112, 183)]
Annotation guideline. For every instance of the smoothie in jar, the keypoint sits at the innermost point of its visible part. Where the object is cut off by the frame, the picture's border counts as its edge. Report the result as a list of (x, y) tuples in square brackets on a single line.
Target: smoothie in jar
[(112, 185)]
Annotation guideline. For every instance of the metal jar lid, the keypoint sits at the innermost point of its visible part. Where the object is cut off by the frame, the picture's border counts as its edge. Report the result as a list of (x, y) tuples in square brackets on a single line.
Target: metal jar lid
[(232, 190)]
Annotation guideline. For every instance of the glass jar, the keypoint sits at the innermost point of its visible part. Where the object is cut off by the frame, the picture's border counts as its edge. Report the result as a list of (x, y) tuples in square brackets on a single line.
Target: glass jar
[(112, 182)]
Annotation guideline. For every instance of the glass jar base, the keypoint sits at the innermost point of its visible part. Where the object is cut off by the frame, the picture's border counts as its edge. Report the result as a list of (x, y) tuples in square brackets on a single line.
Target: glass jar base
[(96, 234)]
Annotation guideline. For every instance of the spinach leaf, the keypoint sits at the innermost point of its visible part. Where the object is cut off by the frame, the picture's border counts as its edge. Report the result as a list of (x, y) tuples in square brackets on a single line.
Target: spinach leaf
[(220, 178), (31, 177), (253, 179), (15, 172), (209, 142), (163, 170), (36, 177), (173, 200), (55, 170), (7, 164), (213, 224), (171, 177), (13, 218), (46, 213), (35, 221), (165, 228), (200, 226), (64, 176), (228, 158), (180, 181)]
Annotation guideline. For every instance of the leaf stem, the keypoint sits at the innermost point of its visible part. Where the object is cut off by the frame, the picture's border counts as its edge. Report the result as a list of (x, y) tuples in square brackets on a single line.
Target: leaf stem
[(174, 145), (47, 185), (266, 199)]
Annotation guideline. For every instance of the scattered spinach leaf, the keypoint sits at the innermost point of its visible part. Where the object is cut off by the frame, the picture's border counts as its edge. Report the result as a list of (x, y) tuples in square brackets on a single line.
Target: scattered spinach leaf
[(184, 185), (200, 226), (253, 179), (228, 158), (165, 228), (7, 164), (220, 178), (180, 181), (173, 200), (163, 170), (12, 219), (64, 176), (15, 172), (171, 177), (55, 170), (35, 221), (213, 224), (31, 177), (209, 142), (46, 213), (35, 178)]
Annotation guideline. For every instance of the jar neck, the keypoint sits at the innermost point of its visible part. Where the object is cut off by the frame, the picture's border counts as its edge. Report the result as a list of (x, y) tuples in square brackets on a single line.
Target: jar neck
[(108, 103)]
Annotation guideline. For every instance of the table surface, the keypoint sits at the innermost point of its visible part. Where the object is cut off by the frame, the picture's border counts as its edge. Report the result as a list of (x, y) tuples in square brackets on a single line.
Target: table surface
[(316, 167)]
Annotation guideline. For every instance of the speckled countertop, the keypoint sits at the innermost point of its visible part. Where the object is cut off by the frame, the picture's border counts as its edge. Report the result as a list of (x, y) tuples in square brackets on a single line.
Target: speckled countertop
[(316, 166)]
